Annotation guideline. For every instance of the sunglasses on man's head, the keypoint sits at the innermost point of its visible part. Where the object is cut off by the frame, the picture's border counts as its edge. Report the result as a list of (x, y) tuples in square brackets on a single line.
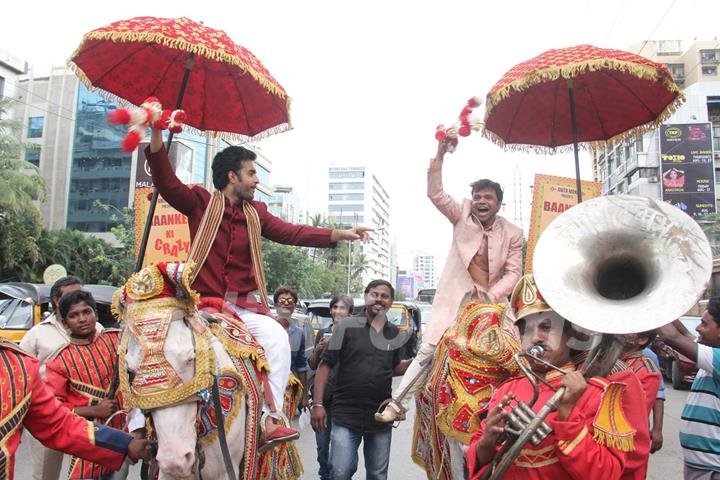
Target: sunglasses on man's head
[(285, 301)]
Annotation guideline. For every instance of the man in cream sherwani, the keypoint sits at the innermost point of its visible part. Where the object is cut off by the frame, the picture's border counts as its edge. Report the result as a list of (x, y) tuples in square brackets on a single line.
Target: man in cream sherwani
[(486, 254)]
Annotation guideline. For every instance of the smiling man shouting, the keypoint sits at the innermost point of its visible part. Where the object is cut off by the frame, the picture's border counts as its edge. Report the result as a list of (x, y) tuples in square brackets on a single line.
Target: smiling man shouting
[(486, 254)]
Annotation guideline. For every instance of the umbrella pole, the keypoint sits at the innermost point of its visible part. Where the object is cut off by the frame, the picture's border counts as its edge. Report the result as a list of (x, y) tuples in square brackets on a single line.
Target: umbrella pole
[(573, 120), (153, 200)]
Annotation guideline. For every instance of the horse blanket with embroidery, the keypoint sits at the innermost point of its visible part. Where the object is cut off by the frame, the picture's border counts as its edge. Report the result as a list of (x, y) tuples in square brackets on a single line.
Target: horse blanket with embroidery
[(282, 463), (475, 355)]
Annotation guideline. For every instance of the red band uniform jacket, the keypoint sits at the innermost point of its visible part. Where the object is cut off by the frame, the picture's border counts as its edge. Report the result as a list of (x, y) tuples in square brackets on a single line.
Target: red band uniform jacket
[(605, 438), (80, 375), (25, 401)]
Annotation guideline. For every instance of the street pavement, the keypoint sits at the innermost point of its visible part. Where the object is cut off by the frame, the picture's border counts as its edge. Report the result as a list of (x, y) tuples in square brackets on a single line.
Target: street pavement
[(664, 465)]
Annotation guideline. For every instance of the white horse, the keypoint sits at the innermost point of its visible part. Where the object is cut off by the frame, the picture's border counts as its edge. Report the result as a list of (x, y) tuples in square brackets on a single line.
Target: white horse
[(175, 425)]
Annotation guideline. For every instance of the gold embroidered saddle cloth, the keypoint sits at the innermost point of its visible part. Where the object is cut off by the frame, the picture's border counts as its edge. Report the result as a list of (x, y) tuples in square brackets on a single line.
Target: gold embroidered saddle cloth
[(474, 356)]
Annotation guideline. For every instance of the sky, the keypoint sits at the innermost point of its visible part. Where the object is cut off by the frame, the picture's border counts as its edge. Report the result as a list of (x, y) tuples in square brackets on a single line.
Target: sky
[(371, 80)]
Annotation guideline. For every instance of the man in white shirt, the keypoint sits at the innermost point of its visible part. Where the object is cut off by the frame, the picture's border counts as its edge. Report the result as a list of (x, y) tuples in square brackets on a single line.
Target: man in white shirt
[(42, 340), (699, 430)]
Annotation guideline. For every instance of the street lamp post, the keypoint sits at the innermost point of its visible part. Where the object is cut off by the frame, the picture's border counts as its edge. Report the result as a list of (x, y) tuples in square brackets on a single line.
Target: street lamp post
[(350, 244)]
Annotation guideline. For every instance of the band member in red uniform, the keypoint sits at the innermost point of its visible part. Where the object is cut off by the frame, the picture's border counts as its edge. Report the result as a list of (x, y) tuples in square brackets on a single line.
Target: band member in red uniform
[(645, 369), (80, 374), (25, 401), (233, 268), (599, 430)]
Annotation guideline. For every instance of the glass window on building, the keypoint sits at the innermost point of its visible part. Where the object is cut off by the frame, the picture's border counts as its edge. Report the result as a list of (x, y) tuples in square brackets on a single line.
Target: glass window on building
[(635, 177), (347, 186), (190, 157), (262, 196), (709, 56), (639, 144), (32, 155), (2, 87), (35, 127), (346, 208), (348, 174), (677, 70), (338, 197), (709, 70), (263, 174), (100, 170)]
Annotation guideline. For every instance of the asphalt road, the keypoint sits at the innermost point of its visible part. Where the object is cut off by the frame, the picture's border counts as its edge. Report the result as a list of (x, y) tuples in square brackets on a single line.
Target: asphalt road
[(664, 465)]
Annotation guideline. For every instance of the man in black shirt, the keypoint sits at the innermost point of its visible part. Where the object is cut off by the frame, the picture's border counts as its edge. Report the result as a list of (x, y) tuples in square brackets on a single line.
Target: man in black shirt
[(366, 350)]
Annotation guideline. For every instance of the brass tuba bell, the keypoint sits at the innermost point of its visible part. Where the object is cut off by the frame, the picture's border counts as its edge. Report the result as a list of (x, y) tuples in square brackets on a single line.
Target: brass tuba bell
[(614, 265), (622, 264)]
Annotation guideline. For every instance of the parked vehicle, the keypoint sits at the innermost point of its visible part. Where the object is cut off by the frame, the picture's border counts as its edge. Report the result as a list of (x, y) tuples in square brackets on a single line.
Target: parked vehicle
[(425, 295), (679, 370), (23, 305), (424, 314), (405, 315)]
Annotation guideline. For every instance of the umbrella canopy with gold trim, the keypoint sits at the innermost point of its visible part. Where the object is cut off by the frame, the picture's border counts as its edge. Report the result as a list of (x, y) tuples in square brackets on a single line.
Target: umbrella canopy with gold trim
[(582, 94), (228, 90)]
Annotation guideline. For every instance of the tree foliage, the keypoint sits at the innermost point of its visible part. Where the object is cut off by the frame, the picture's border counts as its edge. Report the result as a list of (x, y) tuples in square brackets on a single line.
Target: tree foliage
[(92, 259), (20, 186), (314, 271), (711, 226)]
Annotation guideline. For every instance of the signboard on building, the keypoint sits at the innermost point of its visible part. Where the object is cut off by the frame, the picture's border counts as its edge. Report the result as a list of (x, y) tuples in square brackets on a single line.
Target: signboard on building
[(406, 285), (687, 167), (169, 239), (180, 159), (551, 197)]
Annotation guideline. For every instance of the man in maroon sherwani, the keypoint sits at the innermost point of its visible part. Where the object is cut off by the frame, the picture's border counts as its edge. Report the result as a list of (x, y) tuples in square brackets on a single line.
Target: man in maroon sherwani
[(228, 272)]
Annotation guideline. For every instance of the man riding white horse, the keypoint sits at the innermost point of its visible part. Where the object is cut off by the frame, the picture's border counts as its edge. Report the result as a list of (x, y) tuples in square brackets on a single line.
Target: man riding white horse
[(231, 266)]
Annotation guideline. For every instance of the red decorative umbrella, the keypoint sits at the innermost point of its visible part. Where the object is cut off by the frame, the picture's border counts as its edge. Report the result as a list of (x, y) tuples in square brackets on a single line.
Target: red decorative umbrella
[(222, 86), (579, 94), (227, 90)]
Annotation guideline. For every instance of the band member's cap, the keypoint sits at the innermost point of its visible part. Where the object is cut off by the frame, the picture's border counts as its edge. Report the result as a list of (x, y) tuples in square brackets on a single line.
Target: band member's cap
[(526, 299)]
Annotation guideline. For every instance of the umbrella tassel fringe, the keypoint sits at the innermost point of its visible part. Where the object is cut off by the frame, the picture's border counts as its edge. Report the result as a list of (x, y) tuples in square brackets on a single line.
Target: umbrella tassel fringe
[(592, 146), (178, 44), (573, 70)]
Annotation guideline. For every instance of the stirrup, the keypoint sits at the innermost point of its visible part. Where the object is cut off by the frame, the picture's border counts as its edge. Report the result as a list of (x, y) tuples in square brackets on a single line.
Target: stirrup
[(397, 410), (268, 444)]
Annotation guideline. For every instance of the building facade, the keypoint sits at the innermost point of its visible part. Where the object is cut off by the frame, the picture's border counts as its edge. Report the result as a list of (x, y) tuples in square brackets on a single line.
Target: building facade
[(284, 203), (634, 166), (424, 264), (356, 197), (11, 67), (79, 156)]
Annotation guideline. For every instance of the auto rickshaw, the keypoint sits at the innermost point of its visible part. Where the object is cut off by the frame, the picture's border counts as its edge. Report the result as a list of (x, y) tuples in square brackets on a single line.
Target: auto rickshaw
[(405, 315), (24, 305)]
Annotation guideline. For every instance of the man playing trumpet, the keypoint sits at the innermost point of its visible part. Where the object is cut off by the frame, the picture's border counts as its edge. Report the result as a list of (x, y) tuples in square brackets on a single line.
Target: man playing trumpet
[(599, 428)]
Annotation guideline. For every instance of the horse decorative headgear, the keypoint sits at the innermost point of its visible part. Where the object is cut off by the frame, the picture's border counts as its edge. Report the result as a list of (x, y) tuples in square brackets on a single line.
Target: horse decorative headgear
[(150, 300)]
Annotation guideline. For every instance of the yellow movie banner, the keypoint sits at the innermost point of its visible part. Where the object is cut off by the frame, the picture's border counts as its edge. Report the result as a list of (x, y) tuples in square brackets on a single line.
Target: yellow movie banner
[(169, 239), (551, 197)]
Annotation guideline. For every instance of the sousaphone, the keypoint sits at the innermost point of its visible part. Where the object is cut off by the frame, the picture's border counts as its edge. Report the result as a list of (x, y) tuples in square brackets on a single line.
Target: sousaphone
[(614, 265)]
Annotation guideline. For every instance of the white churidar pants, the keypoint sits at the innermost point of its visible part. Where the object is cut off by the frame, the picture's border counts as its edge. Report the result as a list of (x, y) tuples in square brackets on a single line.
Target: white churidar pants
[(274, 340)]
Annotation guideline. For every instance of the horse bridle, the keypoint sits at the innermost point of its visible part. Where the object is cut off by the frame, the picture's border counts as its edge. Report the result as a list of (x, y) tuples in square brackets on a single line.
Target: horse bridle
[(214, 395)]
